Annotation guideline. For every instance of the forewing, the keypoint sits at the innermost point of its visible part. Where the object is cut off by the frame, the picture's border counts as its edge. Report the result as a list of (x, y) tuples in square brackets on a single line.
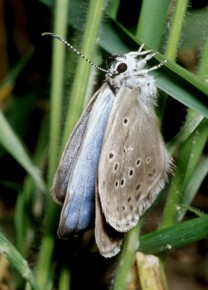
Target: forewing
[(71, 153), (79, 204), (108, 240), (133, 163)]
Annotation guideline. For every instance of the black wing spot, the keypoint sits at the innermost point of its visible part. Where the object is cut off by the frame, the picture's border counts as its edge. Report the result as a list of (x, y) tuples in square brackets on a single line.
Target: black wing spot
[(125, 121), (129, 199), (138, 187), (138, 162), (131, 172), (111, 155), (148, 160), (116, 167), (116, 184), (122, 182)]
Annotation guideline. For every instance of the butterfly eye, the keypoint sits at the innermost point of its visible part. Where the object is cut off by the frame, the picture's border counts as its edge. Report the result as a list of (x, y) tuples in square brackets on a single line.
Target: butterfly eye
[(122, 67)]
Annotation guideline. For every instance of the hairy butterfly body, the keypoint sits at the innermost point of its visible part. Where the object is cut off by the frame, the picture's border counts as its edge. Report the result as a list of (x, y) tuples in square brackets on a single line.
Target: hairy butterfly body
[(115, 162)]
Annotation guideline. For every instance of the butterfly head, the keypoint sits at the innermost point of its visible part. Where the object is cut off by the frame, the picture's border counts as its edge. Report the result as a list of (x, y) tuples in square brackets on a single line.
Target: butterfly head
[(123, 69), (121, 65)]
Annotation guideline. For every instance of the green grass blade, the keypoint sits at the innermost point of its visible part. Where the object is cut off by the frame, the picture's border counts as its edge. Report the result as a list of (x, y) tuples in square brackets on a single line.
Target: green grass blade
[(185, 132), (57, 85), (193, 185), (12, 144), (187, 160), (17, 261), (184, 87), (64, 282), (175, 236), (28, 197), (44, 261), (16, 70)]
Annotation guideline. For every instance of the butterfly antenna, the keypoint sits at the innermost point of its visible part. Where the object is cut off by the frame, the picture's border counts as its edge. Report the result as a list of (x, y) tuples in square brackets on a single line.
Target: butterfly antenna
[(74, 49)]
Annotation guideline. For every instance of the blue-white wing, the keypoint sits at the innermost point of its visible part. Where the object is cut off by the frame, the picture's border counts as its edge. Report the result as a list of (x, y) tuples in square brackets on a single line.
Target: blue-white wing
[(79, 205), (70, 154)]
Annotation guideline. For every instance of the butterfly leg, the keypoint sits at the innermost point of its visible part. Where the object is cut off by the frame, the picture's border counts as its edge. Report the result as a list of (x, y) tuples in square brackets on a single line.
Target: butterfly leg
[(148, 57), (157, 66), (139, 52)]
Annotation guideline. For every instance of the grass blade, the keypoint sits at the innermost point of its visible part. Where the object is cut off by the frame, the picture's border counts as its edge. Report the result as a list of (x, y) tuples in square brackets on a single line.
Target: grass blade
[(17, 261), (175, 236), (13, 145)]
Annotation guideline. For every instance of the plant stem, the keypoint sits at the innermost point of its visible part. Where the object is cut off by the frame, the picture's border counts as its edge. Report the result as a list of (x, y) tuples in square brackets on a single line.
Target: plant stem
[(57, 84), (176, 27), (126, 258), (60, 26), (151, 22)]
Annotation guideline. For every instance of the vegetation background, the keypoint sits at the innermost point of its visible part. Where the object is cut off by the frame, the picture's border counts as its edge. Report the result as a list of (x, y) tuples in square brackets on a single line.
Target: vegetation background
[(43, 89)]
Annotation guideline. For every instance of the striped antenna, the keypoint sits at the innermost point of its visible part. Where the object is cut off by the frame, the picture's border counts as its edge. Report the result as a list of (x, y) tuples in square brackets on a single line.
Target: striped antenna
[(74, 49)]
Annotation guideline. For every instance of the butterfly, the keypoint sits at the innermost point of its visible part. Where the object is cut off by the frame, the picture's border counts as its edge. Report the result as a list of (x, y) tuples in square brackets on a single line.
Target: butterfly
[(115, 162)]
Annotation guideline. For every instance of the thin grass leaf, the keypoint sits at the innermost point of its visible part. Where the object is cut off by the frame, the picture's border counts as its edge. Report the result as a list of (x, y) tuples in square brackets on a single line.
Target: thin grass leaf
[(175, 236), (184, 87), (20, 224), (27, 197), (12, 144), (194, 210), (16, 70), (17, 261), (187, 160), (185, 132), (193, 186), (43, 266)]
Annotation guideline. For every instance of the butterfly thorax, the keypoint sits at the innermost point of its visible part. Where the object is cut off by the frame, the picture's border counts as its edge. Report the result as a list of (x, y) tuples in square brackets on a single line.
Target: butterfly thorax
[(129, 71)]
